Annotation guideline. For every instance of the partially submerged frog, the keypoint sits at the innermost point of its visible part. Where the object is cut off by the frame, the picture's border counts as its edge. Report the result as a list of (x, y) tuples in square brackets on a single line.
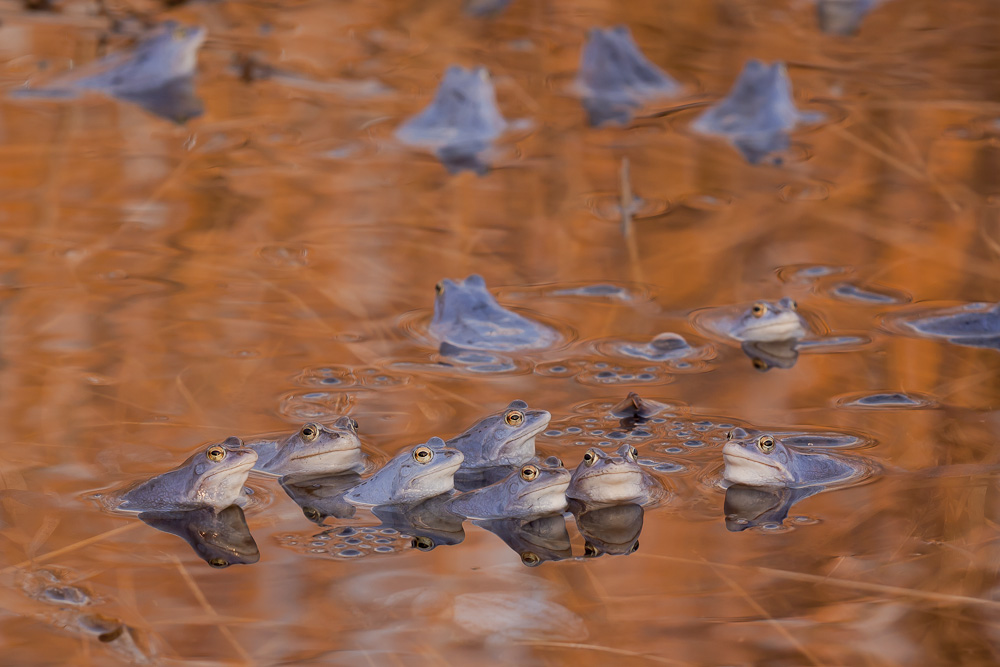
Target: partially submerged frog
[(602, 479), (769, 321), (534, 489), (765, 355), (211, 477), (413, 475), (466, 315), (615, 77), (842, 17), (764, 461), (536, 540), (156, 73), (314, 449), (636, 407), (460, 123), (504, 438), (758, 113), (972, 325), (220, 539), (663, 347), (612, 530), (429, 523)]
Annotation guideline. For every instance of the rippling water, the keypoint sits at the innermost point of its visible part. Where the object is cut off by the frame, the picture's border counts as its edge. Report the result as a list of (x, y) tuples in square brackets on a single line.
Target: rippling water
[(273, 261)]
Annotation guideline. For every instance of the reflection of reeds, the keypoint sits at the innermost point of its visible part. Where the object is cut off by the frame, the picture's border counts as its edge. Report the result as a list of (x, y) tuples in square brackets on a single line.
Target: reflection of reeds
[(210, 610)]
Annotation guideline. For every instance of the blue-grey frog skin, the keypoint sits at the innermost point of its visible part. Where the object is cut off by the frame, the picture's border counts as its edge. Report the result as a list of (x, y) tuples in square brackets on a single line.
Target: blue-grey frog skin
[(415, 474), (615, 77), (211, 477), (323, 496), (535, 540), (762, 460), (467, 316), (971, 325), (315, 449), (460, 123), (220, 539), (610, 529), (156, 74), (429, 523), (604, 479), (842, 17), (758, 113), (768, 321), (534, 489), (502, 439)]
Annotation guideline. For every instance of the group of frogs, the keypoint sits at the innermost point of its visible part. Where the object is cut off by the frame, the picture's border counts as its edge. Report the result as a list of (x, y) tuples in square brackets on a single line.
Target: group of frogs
[(463, 120), (491, 473)]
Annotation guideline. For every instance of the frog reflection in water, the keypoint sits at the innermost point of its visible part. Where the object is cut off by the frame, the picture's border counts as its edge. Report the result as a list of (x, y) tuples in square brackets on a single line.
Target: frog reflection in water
[(212, 477), (602, 479), (156, 74), (615, 77), (504, 438), (769, 321), (314, 449), (612, 529), (460, 123), (765, 355), (842, 17), (764, 461), (532, 490), (220, 539), (467, 316), (757, 114), (751, 506), (535, 540), (413, 475)]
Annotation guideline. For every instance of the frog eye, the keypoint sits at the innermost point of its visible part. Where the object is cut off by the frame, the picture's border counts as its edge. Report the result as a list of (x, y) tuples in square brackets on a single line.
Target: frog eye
[(791, 304), (439, 288), (759, 364), (590, 458), (309, 432), (729, 435), (529, 473), (530, 558), (590, 551), (422, 543), (215, 453), (423, 454), (179, 34), (354, 424), (635, 547), (633, 454), (312, 513), (759, 309), (218, 563), (766, 444), (514, 418)]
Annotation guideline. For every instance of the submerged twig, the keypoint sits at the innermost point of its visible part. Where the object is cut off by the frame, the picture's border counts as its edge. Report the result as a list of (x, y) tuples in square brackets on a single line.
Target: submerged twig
[(628, 230)]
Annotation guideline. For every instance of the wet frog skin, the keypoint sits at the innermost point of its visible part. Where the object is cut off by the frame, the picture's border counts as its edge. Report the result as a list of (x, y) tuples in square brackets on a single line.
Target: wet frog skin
[(467, 316), (769, 321), (612, 479), (315, 449), (764, 461), (531, 490), (504, 438), (211, 477), (413, 475)]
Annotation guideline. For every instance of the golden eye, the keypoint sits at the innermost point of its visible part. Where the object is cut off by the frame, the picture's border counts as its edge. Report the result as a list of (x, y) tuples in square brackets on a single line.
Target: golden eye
[(760, 364), (759, 309), (215, 454), (633, 453), (530, 559), (766, 444), (528, 473), (423, 454), (439, 288), (422, 543), (218, 563), (590, 551), (729, 435), (590, 458), (312, 513), (514, 418), (354, 424), (635, 547), (309, 432), (793, 305)]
